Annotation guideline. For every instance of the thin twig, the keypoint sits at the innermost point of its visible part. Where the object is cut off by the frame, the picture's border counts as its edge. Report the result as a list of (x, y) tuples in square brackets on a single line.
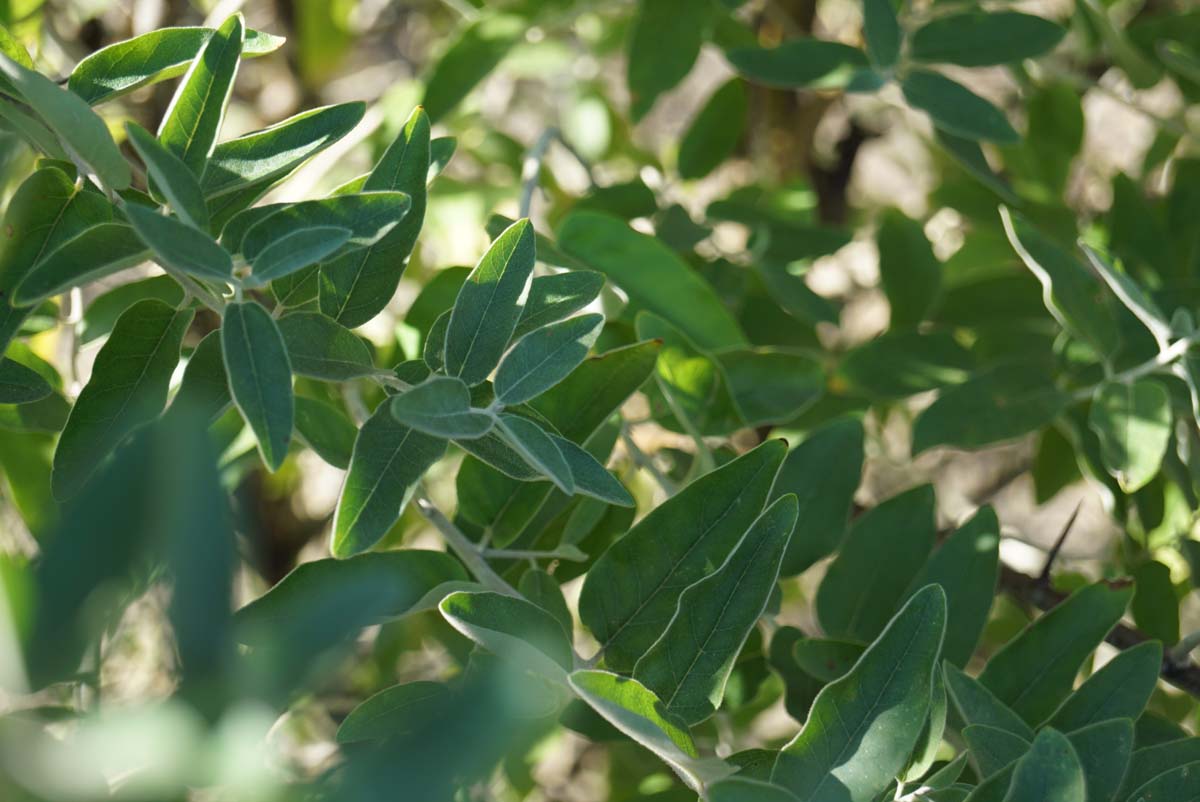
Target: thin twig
[(462, 546), (531, 169), (1044, 577), (640, 459), (570, 555)]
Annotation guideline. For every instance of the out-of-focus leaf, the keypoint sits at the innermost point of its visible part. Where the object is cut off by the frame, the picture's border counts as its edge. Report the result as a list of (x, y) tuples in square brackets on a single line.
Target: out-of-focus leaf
[(477, 50), (978, 38), (911, 275), (636, 583), (900, 364), (882, 33), (512, 628), (1133, 422), (810, 62), (1154, 606), (326, 430), (663, 46), (260, 377), (880, 557), (204, 390), (956, 109), (771, 385), (20, 385), (859, 734), (398, 710), (715, 132), (128, 389), (689, 665), (155, 56)]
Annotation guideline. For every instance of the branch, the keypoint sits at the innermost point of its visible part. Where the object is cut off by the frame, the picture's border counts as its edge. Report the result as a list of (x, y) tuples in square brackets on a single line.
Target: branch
[(1183, 674), (461, 545)]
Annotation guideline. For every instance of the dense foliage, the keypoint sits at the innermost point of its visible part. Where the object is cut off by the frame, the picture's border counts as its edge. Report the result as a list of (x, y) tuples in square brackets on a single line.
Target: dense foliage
[(610, 520)]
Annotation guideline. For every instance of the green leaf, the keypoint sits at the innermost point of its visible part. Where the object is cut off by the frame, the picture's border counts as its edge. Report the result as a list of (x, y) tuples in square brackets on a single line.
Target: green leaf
[(30, 129), (899, 364), (389, 458), (1070, 292), (967, 566), (441, 406), (663, 45), (1049, 772), (1133, 422), (978, 39), (809, 62), (399, 710), (824, 472), (12, 47), (1156, 761), (128, 389), (260, 377), (535, 446), (102, 313), (690, 663), (882, 32), (825, 659), (326, 430), (370, 216), (715, 132), (1120, 689), (880, 557), (590, 477), (1002, 403), (652, 275), (1035, 671), (257, 159), (788, 289), (545, 357), (204, 390), (929, 743), (152, 57), (743, 789), (553, 298), (636, 711), (486, 311), (1155, 606), (992, 748), (79, 129), (956, 109), (1103, 750), (771, 385), (298, 250), (20, 385), (192, 122), (512, 628), (441, 151), (909, 272), (433, 354), (635, 585), (320, 348), (170, 176), (477, 50), (90, 254), (180, 247), (979, 706), (543, 590), (860, 731)]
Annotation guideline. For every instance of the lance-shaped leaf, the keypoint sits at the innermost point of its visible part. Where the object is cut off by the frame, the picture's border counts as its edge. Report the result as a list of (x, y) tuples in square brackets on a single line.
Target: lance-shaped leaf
[(31, 130), (441, 406), (441, 151), (320, 348), (979, 39), (1155, 761), (744, 789), (636, 711), (770, 385), (471, 56), (909, 272), (1133, 423), (715, 132), (1049, 772), (204, 390), (180, 247), (1103, 750), (663, 46), (552, 298), (808, 62), (89, 254), (535, 446), (21, 385), (398, 710), (992, 748), (881, 555), (512, 628), (977, 705), (967, 566), (1036, 670), (170, 176), (357, 286), (956, 109), (260, 377), (487, 309), (882, 32), (1136, 299), (389, 458), (326, 430), (1177, 783), (929, 743), (691, 381), (256, 160), (128, 388), (688, 666), (370, 216), (296, 251), (860, 732), (79, 129), (152, 57), (12, 47), (824, 472), (826, 659), (654, 277), (590, 477), (545, 357), (543, 590), (192, 122), (1120, 689), (635, 585)]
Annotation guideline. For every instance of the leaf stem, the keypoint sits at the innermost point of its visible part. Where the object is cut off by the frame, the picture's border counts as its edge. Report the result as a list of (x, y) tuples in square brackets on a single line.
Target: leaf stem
[(462, 546), (640, 459), (531, 169), (570, 555), (1180, 653), (1164, 358)]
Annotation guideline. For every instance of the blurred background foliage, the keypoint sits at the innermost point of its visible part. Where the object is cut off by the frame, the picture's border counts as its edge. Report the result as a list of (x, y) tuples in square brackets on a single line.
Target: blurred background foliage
[(836, 223)]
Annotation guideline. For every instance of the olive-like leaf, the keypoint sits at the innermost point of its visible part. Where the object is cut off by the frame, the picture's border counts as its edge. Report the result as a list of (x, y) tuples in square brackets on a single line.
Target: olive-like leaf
[(1133, 423), (326, 430), (298, 250), (537, 448), (398, 710), (978, 39), (715, 132), (590, 477), (170, 177), (512, 628), (441, 406), (545, 357), (21, 385), (955, 109), (260, 377), (553, 298), (1049, 772), (1120, 689), (181, 247), (806, 62), (323, 349), (91, 253)]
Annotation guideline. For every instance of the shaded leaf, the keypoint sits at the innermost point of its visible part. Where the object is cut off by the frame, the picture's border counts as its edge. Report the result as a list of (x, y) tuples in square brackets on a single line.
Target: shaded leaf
[(977, 38), (320, 348), (260, 377), (715, 132), (535, 446), (1049, 772), (512, 628), (170, 177), (1133, 423), (477, 50), (663, 45), (956, 109), (20, 385), (326, 430), (181, 247), (808, 62), (553, 298), (398, 710)]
